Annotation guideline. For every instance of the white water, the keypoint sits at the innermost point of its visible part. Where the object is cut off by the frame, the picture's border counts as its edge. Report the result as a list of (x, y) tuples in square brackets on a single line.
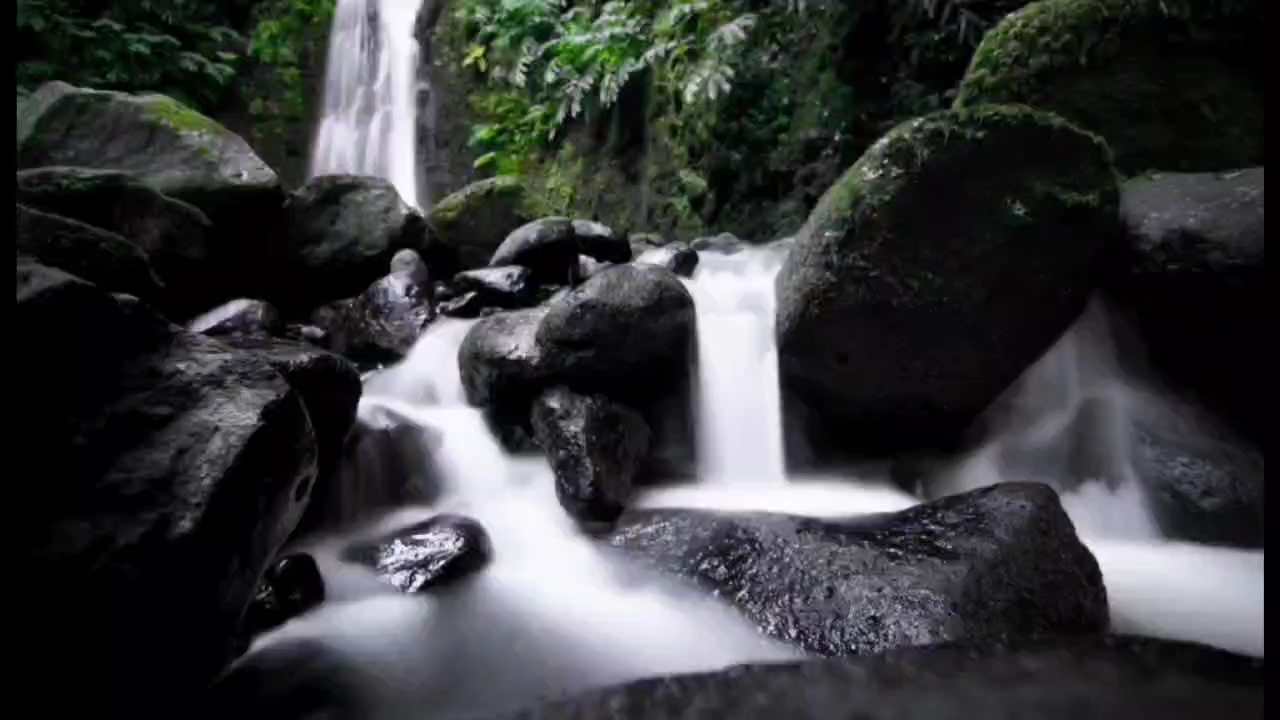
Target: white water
[(368, 125)]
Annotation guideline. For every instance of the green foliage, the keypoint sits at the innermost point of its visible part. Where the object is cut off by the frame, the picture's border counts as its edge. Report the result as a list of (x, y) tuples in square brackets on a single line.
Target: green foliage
[(285, 33), (178, 47)]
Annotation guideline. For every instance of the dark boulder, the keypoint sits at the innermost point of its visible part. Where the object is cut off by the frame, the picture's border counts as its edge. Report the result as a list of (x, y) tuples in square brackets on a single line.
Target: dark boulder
[(991, 565), (345, 231), (1104, 678), (595, 447), (243, 316), (99, 256), (548, 247), (589, 267), (1193, 280), (432, 553), (180, 153), (499, 360), (466, 306), (290, 587), (952, 255), (676, 257), (506, 287), (599, 242), (175, 235), (328, 385), (381, 324), (468, 226), (174, 466), (627, 332)]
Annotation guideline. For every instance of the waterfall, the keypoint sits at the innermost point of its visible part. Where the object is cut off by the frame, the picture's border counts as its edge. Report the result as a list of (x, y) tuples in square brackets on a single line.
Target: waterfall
[(368, 125)]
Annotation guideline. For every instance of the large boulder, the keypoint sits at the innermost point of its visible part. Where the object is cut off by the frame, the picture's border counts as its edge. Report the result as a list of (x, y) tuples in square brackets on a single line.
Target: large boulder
[(938, 268), (1107, 678), (381, 324), (1193, 280), (469, 225), (1170, 84), (180, 153), (502, 369), (97, 255), (345, 230), (172, 469), (991, 565), (175, 235), (547, 246), (595, 447)]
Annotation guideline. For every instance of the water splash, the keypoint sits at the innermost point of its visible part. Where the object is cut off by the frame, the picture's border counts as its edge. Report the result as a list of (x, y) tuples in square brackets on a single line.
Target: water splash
[(368, 125)]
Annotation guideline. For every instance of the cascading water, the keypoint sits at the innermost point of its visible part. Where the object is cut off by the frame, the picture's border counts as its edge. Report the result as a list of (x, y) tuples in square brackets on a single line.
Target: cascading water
[(368, 125)]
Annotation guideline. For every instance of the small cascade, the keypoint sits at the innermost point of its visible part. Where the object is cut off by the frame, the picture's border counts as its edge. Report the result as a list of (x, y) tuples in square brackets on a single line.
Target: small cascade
[(368, 125)]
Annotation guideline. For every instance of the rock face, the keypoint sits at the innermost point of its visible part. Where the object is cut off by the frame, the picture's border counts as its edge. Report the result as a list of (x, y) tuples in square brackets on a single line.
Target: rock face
[(97, 255), (174, 469), (1170, 86), (175, 150), (345, 230), (595, 447), (469, 225), (992, 565), (175, 235), (1108, 678), (1193, 279), (432, 553), (243, 316), (943, 263)]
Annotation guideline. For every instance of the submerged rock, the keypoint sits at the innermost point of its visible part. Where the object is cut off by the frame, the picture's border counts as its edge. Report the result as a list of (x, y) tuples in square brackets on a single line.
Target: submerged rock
[(952, 255), (991, 565), (595, 447), (1103, 678), (175, 235), (99, 256), (1135, 88), (724, 243), (174, 468), (436, 552), (243, 316), (1193, 279), (290, 587), (345, 230), (676, 257), (469, 225)]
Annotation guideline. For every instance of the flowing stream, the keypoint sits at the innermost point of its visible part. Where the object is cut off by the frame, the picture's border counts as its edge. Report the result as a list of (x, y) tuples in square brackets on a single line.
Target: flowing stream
[(554, 612)]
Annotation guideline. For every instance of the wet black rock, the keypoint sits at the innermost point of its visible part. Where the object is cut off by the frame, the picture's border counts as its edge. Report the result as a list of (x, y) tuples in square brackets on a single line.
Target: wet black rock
[(1102, 678), (1193, 277), (466, 306), (99, 256), (243, 316), (382, 323), (175, 235), (724, 243), (328, 384), (627, 332), (290, 587), (345, 231), (677, 257), (548, 247), (175, 467), (435, 552), (589, 267), (595, 447), (499, 361), (599, 242), (507, 287), (991, 565)]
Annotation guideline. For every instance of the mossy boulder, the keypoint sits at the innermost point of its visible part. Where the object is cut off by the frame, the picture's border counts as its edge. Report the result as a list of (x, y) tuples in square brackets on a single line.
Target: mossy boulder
[(172, 148), (468, 226), (1170, 84), (175, 235), (937, 269)]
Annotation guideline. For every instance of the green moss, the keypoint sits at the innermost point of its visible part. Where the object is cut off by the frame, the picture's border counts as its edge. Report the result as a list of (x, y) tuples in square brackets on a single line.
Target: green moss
[(473, 221), (177, 116), (1171, 84)]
